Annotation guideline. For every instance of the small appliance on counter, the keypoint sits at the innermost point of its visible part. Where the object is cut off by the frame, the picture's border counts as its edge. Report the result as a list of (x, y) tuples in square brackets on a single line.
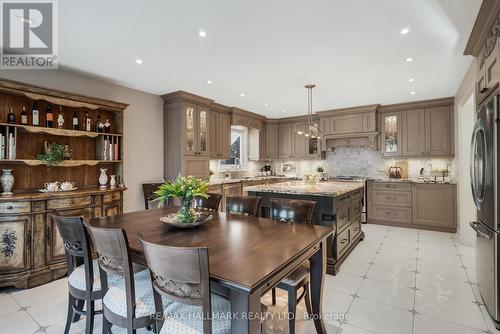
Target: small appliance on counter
[(289, 170), (267, 169)]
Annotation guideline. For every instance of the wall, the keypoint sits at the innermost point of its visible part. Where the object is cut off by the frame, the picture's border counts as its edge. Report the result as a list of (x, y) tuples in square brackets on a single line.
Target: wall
[(465, 119), (143, 151)]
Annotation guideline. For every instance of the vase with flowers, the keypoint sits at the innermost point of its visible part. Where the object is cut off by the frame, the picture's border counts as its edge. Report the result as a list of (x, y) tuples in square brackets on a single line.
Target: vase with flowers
[(185, 188)]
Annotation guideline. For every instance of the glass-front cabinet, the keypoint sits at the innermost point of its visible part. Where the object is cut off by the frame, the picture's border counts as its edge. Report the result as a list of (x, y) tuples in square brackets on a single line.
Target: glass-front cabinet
[(195, 129), (391, 134), (313, 149)]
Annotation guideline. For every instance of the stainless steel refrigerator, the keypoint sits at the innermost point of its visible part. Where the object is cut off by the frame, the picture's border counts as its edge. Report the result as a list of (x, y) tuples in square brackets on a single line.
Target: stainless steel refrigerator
[(485, 191)]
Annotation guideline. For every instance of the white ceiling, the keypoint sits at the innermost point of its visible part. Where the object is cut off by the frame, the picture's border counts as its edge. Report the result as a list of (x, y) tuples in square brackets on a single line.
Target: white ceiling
[(352, 50)]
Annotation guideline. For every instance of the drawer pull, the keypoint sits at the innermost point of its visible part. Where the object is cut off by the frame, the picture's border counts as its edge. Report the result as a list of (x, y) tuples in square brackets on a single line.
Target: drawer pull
[(388, 197), (10, 207), (390, 213), (343, 241), (356, 229), (343, 217)]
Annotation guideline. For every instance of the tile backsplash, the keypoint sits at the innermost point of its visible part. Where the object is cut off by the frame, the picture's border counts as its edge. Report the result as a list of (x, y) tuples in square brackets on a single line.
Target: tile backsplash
[(359, 161)]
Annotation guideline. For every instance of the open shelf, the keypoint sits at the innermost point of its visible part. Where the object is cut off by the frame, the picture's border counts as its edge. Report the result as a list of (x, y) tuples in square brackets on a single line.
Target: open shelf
[(65, 163), (59, 132)]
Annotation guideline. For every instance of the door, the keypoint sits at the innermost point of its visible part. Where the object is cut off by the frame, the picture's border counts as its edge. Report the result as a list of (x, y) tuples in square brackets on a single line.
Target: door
[(285, 148), (202, 131), (224, 136), (55, 245), (299, 142), (15, 243), (391, 134), (413, 140), (438, 131), (483, 158)]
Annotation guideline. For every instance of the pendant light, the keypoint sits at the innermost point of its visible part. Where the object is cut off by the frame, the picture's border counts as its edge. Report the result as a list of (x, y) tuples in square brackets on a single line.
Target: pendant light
[(309, 129)]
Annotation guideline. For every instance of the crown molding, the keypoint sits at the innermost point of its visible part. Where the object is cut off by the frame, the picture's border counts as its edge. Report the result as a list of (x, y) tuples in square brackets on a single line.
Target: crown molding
[(446, 101), (350, 110), (485, 19)]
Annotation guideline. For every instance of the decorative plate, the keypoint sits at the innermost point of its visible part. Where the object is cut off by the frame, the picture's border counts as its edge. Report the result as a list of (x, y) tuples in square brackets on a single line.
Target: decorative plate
[(201, 219)]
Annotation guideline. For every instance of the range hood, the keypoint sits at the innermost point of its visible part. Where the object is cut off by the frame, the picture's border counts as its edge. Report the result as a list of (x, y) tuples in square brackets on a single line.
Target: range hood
[(364, 139)]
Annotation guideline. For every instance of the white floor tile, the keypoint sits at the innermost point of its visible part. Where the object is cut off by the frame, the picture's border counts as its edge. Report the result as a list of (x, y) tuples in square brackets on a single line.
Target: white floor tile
[(345, 283), (348, 329), (386, 293), (454, 310), (396, 261), (471, 275), (380, 318), (392, 275), (427, 325), (363, 254), (488, 320), (49, 312), (354, 266), (445, 259), (29, 297), (446, 270), (18, 323), (8, 305), (435, 284), (336, 302)]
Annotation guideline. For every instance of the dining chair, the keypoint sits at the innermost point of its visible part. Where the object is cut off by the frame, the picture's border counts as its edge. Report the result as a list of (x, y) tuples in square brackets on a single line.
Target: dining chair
[(148, 190), (208, 204), (84, 285), (129, 304), (182, 274), (243, 205), (294, 211)]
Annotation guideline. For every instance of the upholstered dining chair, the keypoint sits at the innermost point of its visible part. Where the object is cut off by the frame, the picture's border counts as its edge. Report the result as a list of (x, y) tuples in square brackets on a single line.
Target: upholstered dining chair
[(182, 274), (208, 204), (243, 205), (148, 190), (84, 284), (294, 211), (129, 304)]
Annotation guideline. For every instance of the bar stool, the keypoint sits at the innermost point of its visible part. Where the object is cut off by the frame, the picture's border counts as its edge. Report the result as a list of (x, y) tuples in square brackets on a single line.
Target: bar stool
[(243, 205)]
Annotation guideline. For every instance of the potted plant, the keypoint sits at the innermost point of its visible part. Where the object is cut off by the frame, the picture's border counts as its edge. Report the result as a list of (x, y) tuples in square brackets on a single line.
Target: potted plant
[(54, 154), (186, 188)]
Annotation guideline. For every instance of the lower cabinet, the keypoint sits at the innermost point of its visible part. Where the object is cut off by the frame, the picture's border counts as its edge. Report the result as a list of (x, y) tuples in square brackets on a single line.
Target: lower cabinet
[(419, 205), (31, 248)]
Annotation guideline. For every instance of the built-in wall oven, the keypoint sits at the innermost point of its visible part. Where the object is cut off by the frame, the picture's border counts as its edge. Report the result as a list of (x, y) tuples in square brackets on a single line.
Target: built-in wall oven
[(485, 190)]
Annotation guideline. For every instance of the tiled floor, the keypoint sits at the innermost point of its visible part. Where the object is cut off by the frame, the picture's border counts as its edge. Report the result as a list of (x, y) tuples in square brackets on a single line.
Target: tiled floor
[(396, 281)]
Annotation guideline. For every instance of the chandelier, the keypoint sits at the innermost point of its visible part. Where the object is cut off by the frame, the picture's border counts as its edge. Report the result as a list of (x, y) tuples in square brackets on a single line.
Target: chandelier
[(309, 129)]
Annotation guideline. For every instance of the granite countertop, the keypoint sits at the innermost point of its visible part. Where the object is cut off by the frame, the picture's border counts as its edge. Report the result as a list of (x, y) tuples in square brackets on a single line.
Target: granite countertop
[(216, 182), (411, 181), (328, 189)]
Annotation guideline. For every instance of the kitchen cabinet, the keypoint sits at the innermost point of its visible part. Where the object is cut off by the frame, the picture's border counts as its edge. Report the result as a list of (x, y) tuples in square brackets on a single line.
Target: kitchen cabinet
[(285, 140), (271, 134), (220, 135), (349, 121), (487, 69), (15, 255), (299, 142), (195, 129), (434, 205), (195, 166), (416, 205), (438, 130), (413, 130), (346, 124), (391, 134), (263, 143)]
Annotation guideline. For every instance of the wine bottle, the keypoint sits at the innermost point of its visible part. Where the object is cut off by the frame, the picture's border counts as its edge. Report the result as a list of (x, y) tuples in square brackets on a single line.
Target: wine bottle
[(35, 115), (88, 122), (24, 116), (99, 125), (49, 116), (11, 118), (60, 119), (75, 121)]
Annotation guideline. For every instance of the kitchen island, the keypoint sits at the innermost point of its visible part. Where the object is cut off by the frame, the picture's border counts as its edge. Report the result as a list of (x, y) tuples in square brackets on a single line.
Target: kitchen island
[(338, 204)]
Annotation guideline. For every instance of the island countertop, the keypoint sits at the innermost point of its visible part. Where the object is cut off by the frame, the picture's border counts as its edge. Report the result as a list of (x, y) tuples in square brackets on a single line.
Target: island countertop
[(327, 188)]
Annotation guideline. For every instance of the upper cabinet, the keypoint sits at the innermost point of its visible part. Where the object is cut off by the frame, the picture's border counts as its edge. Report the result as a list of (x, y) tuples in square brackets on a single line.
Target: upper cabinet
[(419, 129), (483, 45), (285, 140), (220, 134), (195, 129), (268, 141)]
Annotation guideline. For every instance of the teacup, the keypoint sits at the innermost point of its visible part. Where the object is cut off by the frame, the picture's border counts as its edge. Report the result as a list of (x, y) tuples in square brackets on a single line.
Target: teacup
[(52, 186), (65, 186)]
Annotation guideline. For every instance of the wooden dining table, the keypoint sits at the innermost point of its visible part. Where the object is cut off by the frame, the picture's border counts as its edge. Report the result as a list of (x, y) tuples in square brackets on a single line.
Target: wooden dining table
[(247, 256)]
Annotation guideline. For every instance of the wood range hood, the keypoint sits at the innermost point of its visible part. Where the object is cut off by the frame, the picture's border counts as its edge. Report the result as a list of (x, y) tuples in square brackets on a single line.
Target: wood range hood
[(349, 127)]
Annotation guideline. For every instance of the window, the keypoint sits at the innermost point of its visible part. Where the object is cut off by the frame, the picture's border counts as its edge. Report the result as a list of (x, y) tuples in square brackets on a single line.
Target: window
[(239, 156)]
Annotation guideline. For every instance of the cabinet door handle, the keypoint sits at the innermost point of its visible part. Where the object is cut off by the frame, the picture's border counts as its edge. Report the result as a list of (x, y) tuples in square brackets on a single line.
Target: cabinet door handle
[(389, 197), (390, 213), (10, 207), (343, 241), (484, 90)]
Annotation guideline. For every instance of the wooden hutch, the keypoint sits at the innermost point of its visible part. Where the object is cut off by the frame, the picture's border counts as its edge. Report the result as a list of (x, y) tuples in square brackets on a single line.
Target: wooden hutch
[(31, 250)]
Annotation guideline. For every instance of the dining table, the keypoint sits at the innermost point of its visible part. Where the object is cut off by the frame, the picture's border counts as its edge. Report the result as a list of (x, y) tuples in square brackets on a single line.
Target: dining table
[(248, 256)]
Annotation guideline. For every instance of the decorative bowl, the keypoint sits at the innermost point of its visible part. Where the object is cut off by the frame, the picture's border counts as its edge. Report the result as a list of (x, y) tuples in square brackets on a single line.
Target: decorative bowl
[(201, 219)]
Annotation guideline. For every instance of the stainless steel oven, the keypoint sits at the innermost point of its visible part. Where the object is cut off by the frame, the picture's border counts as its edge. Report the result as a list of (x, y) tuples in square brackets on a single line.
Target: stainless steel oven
[(484, 164)]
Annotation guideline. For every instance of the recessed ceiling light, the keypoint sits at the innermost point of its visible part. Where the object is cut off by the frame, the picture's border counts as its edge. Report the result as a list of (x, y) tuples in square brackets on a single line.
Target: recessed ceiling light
[(284, 111), (404, 31), (339, 104), (409, 59), (242, 94), (202, 33), (411, 80), (138, 61), (266, 104), (412, 93), (209, 82)]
